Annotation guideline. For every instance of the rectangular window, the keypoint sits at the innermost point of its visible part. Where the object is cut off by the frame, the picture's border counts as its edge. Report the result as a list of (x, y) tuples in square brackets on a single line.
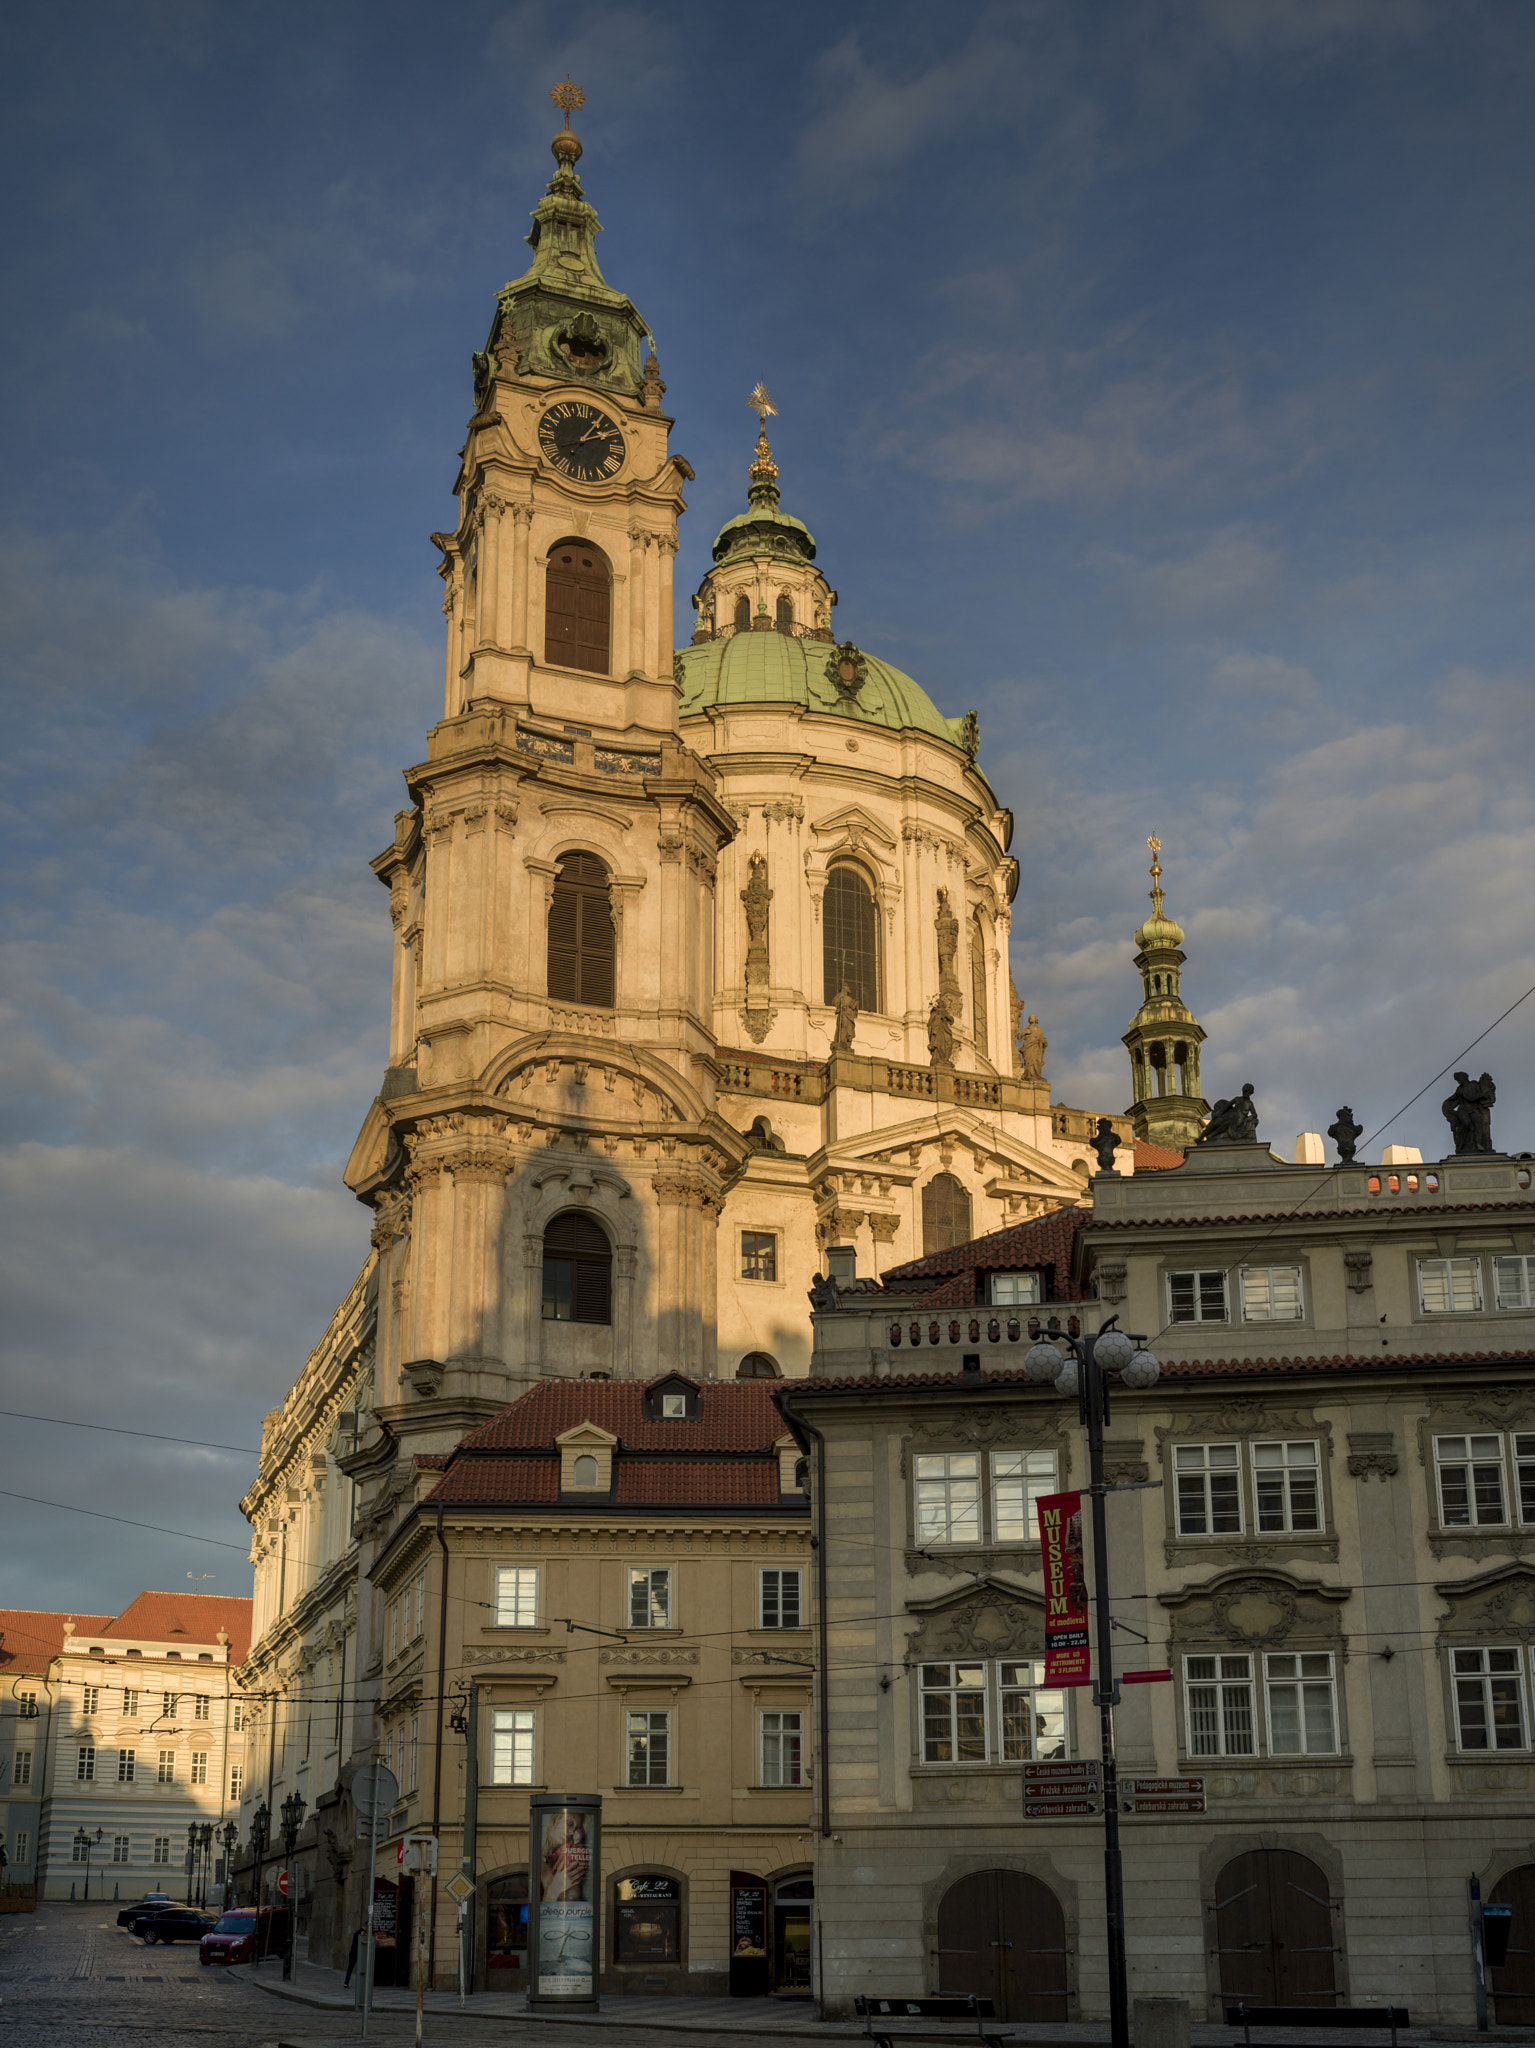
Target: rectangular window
[(85, 1764), (1196, 1297), (21, 1853), (1449, 1286), (1271, 1294), (1209, 1489), (1033, 1721), (1287, 1484), (759, 1255), (954, 1713), (1524, 1476), (1514, 1282), (1014, 1290), (201, 1706), (781, 1749), (90, 1699), (167, 1771), (130, 1703), (1302, 1709), (236, 1783), (1220, 1704), (1489, 1698), (516, 1596), (168, 1704), (162, 1851), (1470, 1481), (650, 1597), (120, 1849), (125, 1766), (237, 1721), (948, 1497), (1018, 1478), (780, 1603), (394, 1627), (420, 1602), (511, 1746), (410, 1766), (649, 1740), (674, 1407), (26, 1706), (199, 1767), (21, 1768), (77, 1849)]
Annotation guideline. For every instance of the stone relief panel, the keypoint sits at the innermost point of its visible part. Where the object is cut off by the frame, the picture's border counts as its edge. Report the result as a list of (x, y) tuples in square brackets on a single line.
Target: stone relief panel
[(981, 1624), (1256, 1611), (1494, 1607)]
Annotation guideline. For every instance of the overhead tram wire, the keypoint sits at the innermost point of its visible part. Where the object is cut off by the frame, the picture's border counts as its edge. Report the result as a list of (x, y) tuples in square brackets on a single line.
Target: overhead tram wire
[(116, 1429), (69, 1508)]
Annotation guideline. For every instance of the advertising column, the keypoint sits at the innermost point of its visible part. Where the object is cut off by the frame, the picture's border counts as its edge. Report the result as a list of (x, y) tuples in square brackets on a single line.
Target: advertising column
[(564, 1886)]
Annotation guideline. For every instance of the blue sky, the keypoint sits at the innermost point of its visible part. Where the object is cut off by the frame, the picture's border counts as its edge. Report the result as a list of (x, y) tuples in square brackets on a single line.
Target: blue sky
[(1154, 376)]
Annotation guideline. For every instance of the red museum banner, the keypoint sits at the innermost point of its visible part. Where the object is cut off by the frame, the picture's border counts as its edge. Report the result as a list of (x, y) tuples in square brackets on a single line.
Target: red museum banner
[(1068, 1660)]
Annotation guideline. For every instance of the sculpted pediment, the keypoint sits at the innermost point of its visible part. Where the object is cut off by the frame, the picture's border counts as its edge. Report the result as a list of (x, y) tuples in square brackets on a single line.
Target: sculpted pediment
[(1255, 1609), (1495, 1606), (853, 825), (982, 1621)]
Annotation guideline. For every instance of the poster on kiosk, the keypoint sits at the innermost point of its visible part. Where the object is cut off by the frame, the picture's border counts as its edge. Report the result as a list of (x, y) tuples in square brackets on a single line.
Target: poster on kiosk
[(564, 1887)]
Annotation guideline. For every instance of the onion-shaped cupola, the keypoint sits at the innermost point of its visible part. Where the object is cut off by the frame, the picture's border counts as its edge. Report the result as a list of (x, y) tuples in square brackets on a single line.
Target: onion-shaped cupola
[(1164, 1039)]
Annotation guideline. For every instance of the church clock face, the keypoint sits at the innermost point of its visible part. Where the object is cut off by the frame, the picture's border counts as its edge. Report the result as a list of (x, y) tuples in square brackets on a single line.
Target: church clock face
[(580, 441)]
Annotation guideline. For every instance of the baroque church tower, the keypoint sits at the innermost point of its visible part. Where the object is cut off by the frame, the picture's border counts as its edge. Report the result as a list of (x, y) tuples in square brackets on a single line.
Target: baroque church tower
[(1165, 1037)]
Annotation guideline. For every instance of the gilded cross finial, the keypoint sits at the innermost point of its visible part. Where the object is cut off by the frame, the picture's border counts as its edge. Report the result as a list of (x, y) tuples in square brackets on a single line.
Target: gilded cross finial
[(1155, 846), (569, 97)]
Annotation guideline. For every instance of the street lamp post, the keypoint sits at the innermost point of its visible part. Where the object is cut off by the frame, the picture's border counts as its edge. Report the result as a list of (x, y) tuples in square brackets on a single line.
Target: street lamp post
[(261, 1821), (205, 1843), (292, 1821), (229, 1835), (86, 1843), (191, 1863), (1085, 1373)]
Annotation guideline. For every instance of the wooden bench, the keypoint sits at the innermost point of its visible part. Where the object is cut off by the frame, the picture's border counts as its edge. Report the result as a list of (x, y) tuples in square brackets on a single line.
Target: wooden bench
[(878, 2013), (1319, 2016)]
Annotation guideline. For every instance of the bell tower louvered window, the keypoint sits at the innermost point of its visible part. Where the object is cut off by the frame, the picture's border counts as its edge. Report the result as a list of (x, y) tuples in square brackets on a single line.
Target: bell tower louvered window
[(978, 1003), (582, 950), (785, 617), (578, 1272), (743, 612), (945, 1214), (850, 938), (578, 608)]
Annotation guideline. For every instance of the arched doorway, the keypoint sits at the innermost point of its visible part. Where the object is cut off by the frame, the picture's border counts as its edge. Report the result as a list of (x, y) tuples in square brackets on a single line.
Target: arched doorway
[(1513, 1983), (1274, 1930), (1002, 1935)]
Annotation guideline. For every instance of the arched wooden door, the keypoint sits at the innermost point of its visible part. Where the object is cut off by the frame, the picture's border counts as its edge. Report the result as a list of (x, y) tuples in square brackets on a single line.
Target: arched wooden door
[(1002, 1935), (1274, 1930), (1513, 1985)]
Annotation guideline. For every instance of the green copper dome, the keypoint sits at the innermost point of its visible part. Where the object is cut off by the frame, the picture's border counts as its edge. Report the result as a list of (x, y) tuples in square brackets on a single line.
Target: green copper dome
[(781, 668)]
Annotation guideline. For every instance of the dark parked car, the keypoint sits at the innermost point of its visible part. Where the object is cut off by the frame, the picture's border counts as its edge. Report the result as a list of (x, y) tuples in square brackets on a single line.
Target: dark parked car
[(152, 1902), (172, 1923), (244, 1935)]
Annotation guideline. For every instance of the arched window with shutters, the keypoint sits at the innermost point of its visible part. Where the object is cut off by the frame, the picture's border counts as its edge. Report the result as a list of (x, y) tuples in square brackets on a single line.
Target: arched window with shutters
[(582, 947), (945, 1214), (578, 607), (850, 938), (978, 1001), (785, 619), (578, 1271), (743, 613)]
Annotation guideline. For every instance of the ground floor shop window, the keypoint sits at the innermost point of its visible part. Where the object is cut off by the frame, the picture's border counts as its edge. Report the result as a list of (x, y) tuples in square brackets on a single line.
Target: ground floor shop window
[(506, 1922), (647, 1915)]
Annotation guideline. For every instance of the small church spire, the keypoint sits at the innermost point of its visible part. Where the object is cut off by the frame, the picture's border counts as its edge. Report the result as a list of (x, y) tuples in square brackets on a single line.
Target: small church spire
[(1164, 1038), (763, 489)]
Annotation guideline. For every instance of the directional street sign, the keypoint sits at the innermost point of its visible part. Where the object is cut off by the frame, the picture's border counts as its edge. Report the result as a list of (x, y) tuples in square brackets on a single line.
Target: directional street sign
[(1062, 1790), (1059, 1809), (1164, 1795), (1088, 1771), (458, 1888)]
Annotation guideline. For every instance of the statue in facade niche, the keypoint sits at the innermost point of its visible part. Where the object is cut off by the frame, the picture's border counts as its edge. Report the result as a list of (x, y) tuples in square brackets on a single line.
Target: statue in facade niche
[(847, 1020), (1032, 1046), (947, 925), (1469, 1112), (1233, 1121), (940, 1035), (756, 896), (1345, 1133)]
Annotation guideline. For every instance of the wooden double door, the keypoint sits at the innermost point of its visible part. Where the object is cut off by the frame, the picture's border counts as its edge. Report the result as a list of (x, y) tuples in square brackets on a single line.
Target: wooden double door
[(1002, 1935), (1513, 1982), (1274, 1930)]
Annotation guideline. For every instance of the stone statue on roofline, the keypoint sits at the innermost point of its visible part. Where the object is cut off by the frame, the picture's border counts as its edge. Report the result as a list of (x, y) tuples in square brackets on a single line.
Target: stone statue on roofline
[(1105, 1142), (1233, 1121), (1469, 1112), (1346, 1134), (1032, 1046)]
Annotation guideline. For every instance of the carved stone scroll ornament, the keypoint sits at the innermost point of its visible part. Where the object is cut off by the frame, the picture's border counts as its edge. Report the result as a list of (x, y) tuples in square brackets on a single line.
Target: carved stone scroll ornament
[(493, 1653), (1372, 1451), (983, 1625), (1256, 1610), (664, 1657), (846, 671), (1498, 1607), (1358, 1263)]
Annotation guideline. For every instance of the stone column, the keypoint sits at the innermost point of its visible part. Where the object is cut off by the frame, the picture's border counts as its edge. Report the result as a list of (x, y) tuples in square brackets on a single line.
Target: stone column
[(492, 505), (666, 549), (638, 541), (451, 652), (421, 1323), (522, 520)]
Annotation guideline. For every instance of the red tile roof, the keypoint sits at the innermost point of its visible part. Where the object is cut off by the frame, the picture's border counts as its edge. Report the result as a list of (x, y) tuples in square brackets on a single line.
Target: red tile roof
[(1389, 1205), (656, 1482), (162, 1617), (29, 1636), (1044, 1245), (534, 1480), (735, 1415), (1155, 1158), (1175, 1369)]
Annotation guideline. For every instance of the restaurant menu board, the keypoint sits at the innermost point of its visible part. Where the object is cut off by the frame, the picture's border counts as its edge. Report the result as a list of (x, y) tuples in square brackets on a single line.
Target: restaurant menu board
[(748, 1917), (1068, 1660), (567, 1913)]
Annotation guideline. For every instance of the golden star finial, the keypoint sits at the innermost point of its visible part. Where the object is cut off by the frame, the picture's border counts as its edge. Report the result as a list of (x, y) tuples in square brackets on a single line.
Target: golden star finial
[(761, 404), (569, 97)]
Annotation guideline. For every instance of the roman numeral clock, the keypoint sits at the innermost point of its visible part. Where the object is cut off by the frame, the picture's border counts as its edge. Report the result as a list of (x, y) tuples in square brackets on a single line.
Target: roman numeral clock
[(581, 441)]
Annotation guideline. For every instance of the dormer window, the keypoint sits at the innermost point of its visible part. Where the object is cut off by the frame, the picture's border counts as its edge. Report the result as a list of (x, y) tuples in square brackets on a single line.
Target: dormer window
[(673, 1399), (674, 1407)]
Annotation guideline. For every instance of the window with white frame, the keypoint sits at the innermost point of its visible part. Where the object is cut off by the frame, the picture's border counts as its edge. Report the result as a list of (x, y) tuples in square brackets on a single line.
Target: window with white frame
[(125, 1766), (162, 1849), (26, 1706), (1013, 1290), (1449, 1286), (990, 1712), (166, 1775), (90, 1699), (21, 1767), (1198, 1297), (782, 1748), (202, 1707), (199, 1774), (954, 1713), (1474, 1473), (21, 1848), (674, 1407), (1018, 1478), (130, 1702), (237, 1719), (1302, 1703), (1489, 1698), (78, 1851), (1513, 1282), (517, 1596), (85, 1764), (420, 1602), (236, 1783), (1033, 1722), (1209, 1480), (1219, 1693), (1271, 1294), (168, 1704), (780, 1605), (120, 1849), (512, 1731), (1287, 1487), (650, 1597), (648, 1740), (410, 1761), (947, 1492)]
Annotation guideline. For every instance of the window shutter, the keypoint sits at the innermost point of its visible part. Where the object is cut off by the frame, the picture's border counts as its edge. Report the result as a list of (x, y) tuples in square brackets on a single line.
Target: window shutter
[(578, 608), (582, 943), (743, 612), (576, 1238), (945, 1214)]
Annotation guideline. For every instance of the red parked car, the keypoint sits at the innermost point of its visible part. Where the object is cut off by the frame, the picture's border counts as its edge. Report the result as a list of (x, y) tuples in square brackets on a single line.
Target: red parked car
[(244, 1935)]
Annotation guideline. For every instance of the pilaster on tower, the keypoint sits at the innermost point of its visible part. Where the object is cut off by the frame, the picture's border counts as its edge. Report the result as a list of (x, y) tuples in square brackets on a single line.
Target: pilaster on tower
[(1165, 1037)]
